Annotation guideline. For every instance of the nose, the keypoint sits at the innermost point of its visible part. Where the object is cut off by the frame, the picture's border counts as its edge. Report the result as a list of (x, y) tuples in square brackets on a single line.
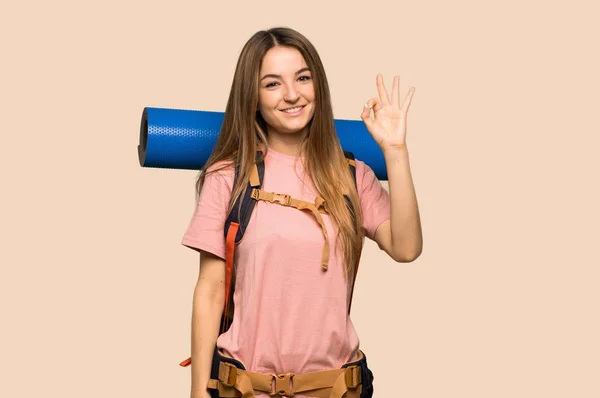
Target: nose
[(290, 94)]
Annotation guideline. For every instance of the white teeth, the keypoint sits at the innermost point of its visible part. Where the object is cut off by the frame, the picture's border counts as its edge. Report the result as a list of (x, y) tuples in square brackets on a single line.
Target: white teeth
[(292, 110)]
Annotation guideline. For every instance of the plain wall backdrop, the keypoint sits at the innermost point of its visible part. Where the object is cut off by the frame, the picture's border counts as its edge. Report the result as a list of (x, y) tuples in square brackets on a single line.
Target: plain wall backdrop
[(503, 133)]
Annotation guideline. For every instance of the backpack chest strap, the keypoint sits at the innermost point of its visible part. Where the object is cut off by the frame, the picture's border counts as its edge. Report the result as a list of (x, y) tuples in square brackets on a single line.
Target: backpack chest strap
[(316, 208)]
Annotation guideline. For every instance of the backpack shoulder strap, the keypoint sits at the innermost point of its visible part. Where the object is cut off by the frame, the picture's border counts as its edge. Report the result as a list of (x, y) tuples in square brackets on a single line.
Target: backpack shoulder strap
[(352, 165), (235, 226), (240, 214)]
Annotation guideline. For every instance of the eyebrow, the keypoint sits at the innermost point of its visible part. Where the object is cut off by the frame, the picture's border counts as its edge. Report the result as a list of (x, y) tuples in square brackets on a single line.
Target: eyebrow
[(279, 77)]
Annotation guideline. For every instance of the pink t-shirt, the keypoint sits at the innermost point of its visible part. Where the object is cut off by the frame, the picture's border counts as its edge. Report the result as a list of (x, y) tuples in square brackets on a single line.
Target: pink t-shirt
[(290, 314)]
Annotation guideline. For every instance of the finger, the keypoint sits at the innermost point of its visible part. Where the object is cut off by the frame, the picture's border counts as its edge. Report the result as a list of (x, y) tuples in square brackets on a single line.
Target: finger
[(383, 95), (374, 104), (366, 115), (395, 91), (408, 99)]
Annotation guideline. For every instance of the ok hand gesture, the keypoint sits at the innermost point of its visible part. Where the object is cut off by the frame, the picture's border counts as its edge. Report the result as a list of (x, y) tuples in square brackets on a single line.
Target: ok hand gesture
[(388, 128)]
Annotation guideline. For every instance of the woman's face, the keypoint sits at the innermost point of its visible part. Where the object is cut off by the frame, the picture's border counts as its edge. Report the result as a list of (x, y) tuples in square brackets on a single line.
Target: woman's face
[(286, 97)]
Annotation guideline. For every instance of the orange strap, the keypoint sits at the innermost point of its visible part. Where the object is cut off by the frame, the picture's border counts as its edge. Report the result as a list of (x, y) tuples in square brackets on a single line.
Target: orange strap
[(229, 256)]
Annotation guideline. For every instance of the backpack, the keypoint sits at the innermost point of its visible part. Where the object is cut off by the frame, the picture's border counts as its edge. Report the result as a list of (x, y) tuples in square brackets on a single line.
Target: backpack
[(237, 222)]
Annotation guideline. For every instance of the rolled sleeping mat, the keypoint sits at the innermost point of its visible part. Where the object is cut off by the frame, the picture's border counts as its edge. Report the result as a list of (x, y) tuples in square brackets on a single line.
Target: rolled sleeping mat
[(184, 139)]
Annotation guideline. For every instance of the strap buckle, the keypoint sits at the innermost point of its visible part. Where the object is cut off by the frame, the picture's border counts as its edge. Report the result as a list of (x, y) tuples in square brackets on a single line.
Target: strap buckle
[(282, 384), (282, 198), (353, 376), (227, 374), (321, 203)]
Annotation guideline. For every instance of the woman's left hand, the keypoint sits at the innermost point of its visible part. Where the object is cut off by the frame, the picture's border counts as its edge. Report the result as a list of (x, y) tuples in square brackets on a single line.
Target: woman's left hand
[(388, 128)]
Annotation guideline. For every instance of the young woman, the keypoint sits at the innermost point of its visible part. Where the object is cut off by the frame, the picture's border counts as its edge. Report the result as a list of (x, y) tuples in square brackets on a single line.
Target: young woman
[(293, 266)]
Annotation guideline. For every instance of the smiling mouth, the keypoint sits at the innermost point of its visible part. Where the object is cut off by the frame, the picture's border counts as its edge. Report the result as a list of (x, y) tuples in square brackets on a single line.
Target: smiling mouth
[(293, 110)]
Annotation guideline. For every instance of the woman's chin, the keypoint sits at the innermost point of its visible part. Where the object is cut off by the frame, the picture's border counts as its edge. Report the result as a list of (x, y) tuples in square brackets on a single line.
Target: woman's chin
[(291, 128), (295, 131)]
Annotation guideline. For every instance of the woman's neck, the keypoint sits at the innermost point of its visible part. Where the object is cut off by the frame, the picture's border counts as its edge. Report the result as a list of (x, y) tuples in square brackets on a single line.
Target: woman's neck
[(287, 144)]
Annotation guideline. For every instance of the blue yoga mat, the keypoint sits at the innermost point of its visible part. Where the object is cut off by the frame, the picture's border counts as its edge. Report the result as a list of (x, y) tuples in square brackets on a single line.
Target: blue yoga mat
[(184, 139)]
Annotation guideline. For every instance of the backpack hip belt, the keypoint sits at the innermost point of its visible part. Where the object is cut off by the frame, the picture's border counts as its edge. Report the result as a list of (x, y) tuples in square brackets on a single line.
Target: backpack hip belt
[(335, 383)]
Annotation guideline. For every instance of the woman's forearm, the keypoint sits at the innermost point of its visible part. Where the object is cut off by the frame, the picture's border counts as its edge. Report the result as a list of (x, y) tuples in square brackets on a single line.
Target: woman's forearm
[(206, 321), (407, 237)]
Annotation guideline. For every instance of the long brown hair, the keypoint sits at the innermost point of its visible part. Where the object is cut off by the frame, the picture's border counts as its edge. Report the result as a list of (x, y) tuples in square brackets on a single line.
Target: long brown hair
[(244, 129)]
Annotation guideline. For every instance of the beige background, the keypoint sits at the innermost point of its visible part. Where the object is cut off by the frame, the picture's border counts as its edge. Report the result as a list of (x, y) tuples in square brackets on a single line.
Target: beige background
[(96, 290)]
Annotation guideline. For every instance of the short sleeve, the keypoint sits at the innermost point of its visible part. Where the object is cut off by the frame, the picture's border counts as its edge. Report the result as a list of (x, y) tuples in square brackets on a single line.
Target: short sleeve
[(206, 228), (374, 199)]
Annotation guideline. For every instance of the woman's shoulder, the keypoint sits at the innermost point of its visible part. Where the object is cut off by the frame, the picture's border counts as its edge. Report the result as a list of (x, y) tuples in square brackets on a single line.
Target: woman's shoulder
[(222, 167), (363, 169), (367, 182), (220, 174)]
